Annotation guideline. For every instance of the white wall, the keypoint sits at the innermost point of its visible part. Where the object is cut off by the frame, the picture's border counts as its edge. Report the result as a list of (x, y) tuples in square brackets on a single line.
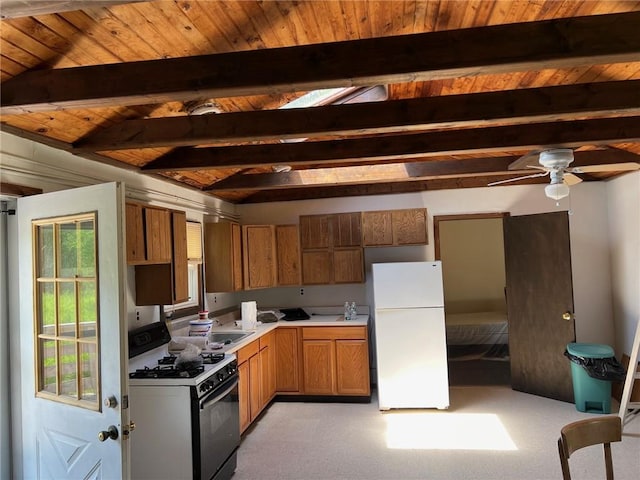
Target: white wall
[(588, 226), (30, 164), (623, 202)]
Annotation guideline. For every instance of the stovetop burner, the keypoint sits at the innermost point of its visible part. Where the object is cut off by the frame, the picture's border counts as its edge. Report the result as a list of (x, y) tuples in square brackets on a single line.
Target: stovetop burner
[(167, 372)]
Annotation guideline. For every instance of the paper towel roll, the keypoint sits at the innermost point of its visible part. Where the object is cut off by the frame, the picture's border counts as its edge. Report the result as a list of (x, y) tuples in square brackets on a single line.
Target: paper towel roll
[(249, 314), (178, 344)]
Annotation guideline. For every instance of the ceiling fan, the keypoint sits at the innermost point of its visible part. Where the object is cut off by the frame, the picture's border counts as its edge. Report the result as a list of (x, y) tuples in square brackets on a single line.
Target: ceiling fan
[(555, 163)]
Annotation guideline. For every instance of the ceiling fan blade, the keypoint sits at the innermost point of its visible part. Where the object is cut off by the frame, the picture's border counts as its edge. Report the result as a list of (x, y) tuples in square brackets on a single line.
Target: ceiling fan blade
[(611, 167), (541, 174), (523, 162), (571, 179)]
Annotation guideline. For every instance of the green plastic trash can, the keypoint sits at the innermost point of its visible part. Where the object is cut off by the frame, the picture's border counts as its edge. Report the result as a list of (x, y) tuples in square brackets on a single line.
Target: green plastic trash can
[(591, 394)]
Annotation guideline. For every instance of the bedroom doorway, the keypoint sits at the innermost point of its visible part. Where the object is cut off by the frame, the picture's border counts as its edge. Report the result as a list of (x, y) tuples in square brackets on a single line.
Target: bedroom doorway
[(471, 248)]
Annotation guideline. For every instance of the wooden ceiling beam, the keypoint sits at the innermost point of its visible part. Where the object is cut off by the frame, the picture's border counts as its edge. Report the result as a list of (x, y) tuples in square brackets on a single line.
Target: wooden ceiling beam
[(563, 42), (565, 102), (410, 171), (362, 174), (286, 195), (534, 136)]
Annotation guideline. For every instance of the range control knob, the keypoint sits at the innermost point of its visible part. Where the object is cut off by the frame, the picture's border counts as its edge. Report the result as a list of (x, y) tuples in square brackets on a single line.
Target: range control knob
[(220, 377)]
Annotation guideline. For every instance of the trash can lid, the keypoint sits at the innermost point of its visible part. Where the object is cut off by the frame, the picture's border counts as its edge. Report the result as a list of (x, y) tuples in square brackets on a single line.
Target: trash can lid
[(590, 350)]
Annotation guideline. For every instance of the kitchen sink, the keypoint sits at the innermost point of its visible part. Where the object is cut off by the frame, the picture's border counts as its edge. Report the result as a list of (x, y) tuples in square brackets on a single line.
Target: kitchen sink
[(228, 337)]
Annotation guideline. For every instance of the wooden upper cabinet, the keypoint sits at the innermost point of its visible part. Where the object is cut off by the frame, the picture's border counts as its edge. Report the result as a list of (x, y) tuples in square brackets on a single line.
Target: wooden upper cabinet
[(288, 253), (377, 228), (314, 231), (158, 231), (148, 232), (317, 267), (337, 257), (180, 267), (135, 233), (348, 265), (259, 248), (165, 283), (346, 229), (223, 257), (395, 227), (410, 226)]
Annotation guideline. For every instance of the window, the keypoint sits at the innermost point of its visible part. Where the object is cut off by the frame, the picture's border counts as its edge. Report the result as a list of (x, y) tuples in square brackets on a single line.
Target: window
[(66, 310), (194, 276)]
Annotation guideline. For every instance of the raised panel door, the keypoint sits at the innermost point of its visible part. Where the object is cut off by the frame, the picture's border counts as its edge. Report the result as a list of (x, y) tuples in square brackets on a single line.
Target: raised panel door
[(259, 256), (288, 254), (255, 391), (318, 367), (377, 229), (348, 266), (180, 268), (352, 367), (243, 395), (316, 267), (267, 375), (410, 226), (286, 361), (237, 281)]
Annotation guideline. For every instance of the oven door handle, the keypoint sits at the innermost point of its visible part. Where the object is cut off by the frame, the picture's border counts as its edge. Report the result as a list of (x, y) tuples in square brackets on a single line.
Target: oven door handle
[(208, 400)]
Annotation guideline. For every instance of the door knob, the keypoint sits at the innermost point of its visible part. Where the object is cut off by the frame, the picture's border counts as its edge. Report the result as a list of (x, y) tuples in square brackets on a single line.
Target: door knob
[(567, 316), (111, 432)]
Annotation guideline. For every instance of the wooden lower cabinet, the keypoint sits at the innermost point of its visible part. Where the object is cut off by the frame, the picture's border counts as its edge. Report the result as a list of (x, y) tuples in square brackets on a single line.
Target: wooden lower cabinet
[(335, 361), (257, 381), (319, 367), (243, 395), (267, 357), (287, 365), (352, 367)]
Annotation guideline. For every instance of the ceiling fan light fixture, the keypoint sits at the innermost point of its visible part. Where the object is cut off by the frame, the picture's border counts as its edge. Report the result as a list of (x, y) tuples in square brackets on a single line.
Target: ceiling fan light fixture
[(557, 191)]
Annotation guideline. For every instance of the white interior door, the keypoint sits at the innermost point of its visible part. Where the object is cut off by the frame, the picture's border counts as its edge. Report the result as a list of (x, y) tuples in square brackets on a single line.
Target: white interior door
[(73, 350)]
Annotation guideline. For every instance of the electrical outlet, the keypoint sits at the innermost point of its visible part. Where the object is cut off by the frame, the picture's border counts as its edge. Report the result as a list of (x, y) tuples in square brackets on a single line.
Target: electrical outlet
[(302, 291), (137, 315), (215, 299)]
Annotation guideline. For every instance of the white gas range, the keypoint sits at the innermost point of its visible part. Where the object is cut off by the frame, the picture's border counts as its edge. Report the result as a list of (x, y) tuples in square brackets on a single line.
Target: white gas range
[(190, 409)]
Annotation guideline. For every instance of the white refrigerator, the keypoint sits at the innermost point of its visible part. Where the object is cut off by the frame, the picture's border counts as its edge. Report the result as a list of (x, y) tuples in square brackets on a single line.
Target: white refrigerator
[(410, 335)]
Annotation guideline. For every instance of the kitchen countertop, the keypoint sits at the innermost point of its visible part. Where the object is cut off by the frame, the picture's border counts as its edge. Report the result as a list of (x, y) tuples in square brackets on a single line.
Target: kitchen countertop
[(314, 321)]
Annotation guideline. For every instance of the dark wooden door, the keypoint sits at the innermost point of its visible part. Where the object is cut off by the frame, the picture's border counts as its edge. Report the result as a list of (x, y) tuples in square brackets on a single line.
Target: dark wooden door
[(539, 292)]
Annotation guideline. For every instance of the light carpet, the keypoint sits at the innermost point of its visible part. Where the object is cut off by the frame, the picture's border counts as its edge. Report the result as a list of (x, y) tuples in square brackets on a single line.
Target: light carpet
[(489, 432)]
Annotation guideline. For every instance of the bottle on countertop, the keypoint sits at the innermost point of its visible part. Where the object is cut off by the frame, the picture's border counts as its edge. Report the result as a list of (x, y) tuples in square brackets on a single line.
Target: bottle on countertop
[(353, 312), (347, 311)]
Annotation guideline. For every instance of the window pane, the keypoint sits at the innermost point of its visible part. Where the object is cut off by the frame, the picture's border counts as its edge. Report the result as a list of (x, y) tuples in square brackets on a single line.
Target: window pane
[(67, 309), (89, 372), (68, 369), (47, 306), (86, 254), (47, 354), (45, 251), (68, 250), (88, 315)]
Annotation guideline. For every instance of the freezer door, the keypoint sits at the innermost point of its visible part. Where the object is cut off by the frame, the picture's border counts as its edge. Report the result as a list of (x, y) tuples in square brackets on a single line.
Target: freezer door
[(408, 285), (411, 358)]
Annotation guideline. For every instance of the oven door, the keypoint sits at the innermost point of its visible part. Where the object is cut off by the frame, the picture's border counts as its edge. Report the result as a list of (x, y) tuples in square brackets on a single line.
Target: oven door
[(219, 431)]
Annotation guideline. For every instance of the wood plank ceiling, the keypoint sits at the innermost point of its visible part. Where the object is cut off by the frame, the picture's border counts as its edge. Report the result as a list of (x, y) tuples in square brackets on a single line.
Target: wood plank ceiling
[(472, 86)]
